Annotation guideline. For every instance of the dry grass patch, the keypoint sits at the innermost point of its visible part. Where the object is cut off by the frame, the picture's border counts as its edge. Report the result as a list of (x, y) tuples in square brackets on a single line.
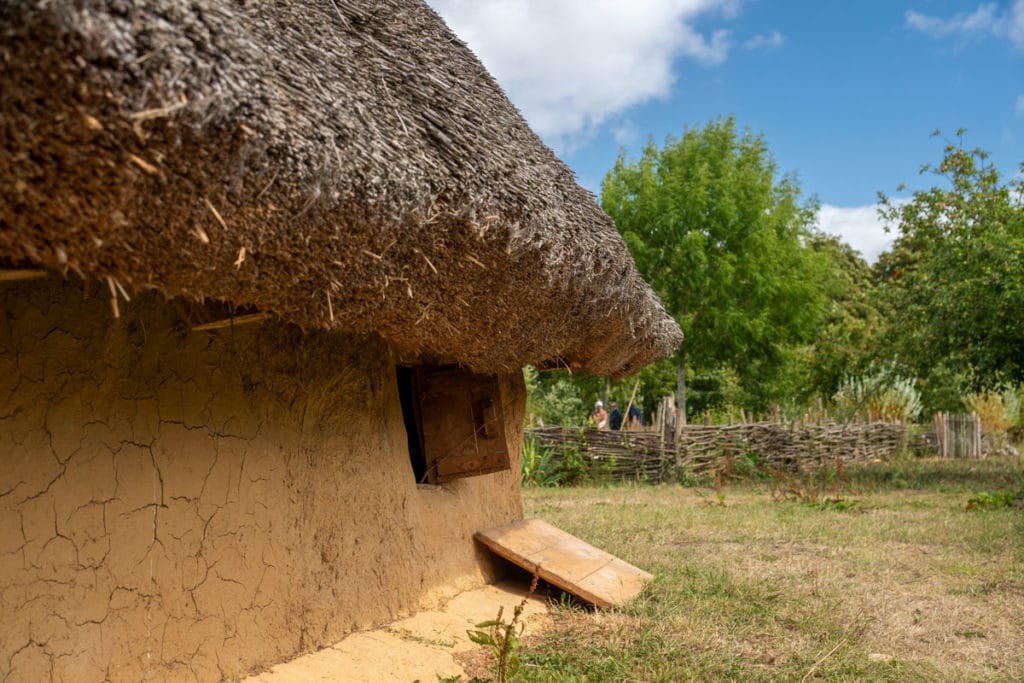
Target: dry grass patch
[(904, 585)]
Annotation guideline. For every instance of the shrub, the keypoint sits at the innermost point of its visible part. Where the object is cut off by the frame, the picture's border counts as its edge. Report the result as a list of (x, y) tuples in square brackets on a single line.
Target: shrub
[(880, 396), (552, 403), (547, 466), (999, 410), (999, 499)]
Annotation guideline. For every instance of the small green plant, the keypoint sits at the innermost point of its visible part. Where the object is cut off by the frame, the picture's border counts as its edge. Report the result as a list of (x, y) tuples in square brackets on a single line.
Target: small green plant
[(562, 465), (502, 637), (999, 499), (537, 464), (573, 467), (1012, 497), (688, 479)]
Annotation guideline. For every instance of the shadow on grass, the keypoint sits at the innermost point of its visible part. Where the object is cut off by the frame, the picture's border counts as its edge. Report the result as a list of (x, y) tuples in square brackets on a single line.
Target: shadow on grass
[(939, 475)]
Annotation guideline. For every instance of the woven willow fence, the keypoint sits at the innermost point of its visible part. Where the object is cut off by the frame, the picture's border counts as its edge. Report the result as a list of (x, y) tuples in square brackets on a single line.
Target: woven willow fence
[(696, 449)]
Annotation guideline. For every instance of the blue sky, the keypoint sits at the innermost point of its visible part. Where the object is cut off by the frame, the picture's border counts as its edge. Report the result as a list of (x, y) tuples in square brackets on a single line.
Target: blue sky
[(845, 94)]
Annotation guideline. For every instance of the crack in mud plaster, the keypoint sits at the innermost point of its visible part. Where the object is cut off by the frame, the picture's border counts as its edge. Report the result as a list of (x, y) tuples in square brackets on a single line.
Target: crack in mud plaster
[(199, 505)]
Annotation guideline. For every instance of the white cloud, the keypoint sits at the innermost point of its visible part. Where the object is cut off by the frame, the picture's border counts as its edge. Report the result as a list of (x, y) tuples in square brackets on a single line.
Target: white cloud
[(858, 226), (769, 42), (1019, 106), (626, 133), (1014, 24), (980, 20), (986, 19), (571, 65)]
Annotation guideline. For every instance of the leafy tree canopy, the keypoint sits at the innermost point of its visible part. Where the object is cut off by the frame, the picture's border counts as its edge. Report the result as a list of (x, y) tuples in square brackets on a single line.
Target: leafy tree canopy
[(953, 284), (845, 344), (725, 242)]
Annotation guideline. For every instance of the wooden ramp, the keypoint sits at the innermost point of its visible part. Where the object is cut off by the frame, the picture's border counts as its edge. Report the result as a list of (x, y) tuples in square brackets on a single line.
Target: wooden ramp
[(566, 562)]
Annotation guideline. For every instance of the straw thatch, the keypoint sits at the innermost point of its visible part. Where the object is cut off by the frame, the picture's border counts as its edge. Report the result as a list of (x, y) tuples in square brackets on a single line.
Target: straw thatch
[(344, 164)]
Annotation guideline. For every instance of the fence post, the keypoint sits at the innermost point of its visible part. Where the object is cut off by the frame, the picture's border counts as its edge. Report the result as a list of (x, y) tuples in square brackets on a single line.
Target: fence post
[(677, 440), (945, 434), (976, 433), (663, 414)]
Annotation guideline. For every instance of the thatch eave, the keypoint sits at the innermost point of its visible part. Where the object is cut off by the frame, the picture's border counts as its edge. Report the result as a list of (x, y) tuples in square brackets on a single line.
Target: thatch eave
[(348, 165)]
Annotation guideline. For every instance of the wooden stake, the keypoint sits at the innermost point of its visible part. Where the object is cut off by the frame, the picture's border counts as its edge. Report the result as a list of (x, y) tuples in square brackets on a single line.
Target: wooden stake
[(230, 322), (216, 214), (23, 274), (630, 404), (113, 298)]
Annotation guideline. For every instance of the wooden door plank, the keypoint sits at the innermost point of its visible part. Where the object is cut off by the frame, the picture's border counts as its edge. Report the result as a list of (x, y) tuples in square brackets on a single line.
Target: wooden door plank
[(567, 562), (523, 538), (618, 579)]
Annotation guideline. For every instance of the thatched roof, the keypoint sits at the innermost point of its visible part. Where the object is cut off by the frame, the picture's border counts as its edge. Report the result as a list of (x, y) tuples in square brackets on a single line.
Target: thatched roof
[(343, 164)]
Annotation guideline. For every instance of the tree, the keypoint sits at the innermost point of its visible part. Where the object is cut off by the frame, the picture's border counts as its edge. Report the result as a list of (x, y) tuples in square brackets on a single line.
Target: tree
[(723, 241), (852, 323), (954, 282), (553, 399)]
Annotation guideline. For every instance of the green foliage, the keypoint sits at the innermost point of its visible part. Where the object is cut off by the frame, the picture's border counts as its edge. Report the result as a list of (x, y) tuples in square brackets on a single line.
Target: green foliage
[(1012, 497), (503, 638), (557, 397), (953, 284), (1013, 405), (999, 410), (881, 396), (944, 387), (553, 399), (852, 321), (539, 467), (563, 466), (988, 405), (724, 242)]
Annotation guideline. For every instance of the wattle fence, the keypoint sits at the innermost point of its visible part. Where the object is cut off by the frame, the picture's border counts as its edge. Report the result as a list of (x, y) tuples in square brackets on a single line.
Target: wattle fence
[(667, 454)]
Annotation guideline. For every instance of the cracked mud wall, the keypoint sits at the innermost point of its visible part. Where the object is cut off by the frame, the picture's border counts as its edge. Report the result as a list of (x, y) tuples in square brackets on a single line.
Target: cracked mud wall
[(179, 506)]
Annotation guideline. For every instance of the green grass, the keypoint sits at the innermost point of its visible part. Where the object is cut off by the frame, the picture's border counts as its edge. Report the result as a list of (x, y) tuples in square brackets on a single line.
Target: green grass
[(903, 585)]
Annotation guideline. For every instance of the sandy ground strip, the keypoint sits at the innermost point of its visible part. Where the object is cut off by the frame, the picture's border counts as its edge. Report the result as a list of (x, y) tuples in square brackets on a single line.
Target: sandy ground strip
[(421, 647)]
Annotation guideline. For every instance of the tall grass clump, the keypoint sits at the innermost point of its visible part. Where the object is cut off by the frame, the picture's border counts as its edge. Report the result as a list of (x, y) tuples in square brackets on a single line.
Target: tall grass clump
[(880, 396), (999, 410), (546, 466)]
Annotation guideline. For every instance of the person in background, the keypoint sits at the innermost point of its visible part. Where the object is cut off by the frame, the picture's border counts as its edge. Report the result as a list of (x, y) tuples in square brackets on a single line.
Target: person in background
[(615, 417), (636, 417), (599, 416)]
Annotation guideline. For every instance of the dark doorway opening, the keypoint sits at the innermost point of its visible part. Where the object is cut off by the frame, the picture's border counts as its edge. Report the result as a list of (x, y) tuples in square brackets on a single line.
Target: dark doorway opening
[(410, 416)]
